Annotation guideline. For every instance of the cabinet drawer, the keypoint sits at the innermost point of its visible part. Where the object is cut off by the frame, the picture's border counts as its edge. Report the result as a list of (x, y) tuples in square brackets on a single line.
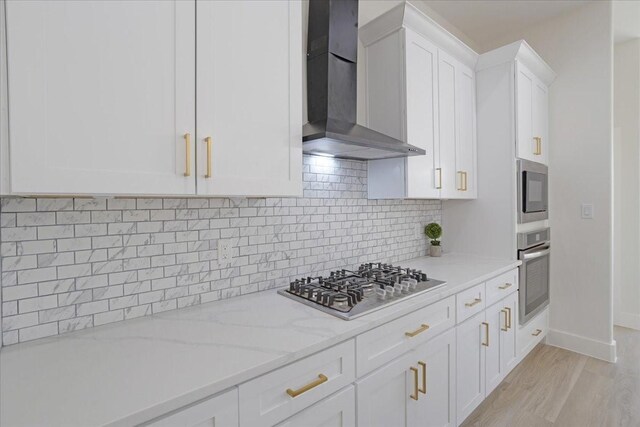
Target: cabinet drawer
[(532, 333), (278, 395), (384, 343), (337, 410), (470, 302), (220, 410), (501, 286)]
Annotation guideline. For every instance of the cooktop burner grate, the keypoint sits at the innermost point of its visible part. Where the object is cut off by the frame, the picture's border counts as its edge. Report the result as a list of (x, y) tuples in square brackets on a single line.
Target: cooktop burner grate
[(350, 294)]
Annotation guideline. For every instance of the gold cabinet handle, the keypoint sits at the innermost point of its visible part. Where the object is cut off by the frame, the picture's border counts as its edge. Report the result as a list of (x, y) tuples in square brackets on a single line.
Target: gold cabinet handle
[(506, 320), (321, 379), (509, 310), (538, 141), (537, 332), (463, 181), (187, 140), (414, 396), (439, 186), (423, 389), (208, 141), (475, 301), (505, 286), (421, 329), (486, 330)]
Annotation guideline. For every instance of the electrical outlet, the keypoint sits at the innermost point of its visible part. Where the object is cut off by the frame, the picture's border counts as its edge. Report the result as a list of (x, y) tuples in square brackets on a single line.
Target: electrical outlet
[(224, 251), (587, 211)]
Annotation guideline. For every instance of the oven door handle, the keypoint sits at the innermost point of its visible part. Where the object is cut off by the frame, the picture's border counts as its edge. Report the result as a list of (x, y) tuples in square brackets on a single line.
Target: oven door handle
[(537, 254)]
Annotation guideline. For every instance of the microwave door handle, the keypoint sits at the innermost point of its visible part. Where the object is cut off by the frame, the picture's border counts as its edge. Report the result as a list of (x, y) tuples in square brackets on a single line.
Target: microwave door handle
[(537, 254)]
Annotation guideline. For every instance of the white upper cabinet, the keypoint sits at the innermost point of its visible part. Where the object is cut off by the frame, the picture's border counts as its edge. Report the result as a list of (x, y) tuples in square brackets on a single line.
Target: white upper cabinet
[(249, 98), (420, 87), (466, 145), (457, 97), (102, 95), (532, 116), (531, 79), (423, 172)]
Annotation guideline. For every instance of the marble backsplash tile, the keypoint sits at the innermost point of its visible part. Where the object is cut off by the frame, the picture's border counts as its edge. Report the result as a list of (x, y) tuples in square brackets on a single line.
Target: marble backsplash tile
[(69, 264)]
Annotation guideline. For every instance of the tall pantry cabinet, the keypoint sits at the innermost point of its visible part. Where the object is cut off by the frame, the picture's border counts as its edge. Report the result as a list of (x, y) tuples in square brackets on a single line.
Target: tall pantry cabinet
[(103, 97), (420, 87)]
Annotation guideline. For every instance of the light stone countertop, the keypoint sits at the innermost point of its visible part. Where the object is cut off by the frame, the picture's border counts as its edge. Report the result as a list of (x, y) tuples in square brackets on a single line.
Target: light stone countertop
[(132, 371)]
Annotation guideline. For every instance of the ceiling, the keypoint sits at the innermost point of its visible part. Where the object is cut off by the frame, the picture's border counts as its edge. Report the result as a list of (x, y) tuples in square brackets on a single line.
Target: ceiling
[(485, 21)]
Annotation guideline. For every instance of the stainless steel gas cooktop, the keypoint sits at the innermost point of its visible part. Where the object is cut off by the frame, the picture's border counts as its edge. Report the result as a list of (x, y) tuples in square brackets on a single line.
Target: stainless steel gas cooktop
[(350, 294)]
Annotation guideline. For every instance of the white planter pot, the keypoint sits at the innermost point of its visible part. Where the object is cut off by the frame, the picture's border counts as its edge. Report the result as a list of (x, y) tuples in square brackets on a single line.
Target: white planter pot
[(435, 251)]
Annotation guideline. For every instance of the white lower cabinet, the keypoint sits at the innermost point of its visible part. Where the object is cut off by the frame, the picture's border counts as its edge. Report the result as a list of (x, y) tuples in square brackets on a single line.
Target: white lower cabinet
[(532, 333), (417, 389), (486, 348), (470, 365), (217, 411), (278, 395), (438, 402), (338, 410)]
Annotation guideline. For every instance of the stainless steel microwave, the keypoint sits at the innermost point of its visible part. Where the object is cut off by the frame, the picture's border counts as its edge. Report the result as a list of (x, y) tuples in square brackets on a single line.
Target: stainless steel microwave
[(533, 191)]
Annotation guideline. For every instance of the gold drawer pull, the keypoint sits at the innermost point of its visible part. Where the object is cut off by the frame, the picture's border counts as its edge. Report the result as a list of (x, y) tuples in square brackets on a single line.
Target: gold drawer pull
[(509, 310), (486, 329), (414, 396), (321, 379), (475, 301), (187, 140), (505, 286), (208, 141), (537, 332), (423, 389), (506, 320), (421, 329)]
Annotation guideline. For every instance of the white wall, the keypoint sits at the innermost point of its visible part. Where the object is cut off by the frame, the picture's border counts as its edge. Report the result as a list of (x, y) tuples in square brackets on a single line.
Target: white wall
[(579, 48), (626, 113)]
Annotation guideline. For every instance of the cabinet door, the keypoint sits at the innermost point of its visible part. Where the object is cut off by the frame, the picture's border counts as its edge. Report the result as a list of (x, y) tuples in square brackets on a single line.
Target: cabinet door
[(102, 94), (383, 397), (249, 98), (219, 411), (447, 123), (338, 410), (508, 346), (525, 82), (423, 172), (437, 404), (470, 365), (540, 126), (466, 186), (494, 365)]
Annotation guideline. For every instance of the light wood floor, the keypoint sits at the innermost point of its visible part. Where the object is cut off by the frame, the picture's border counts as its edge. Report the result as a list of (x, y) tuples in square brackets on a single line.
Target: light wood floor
[(555, 387)]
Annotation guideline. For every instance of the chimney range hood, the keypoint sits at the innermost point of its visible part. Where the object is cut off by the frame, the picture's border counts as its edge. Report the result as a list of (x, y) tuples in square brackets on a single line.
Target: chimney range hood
[(332, 51)]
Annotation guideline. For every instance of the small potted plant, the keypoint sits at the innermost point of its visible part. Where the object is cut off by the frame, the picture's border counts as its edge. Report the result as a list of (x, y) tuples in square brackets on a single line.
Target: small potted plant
[(434, 231)]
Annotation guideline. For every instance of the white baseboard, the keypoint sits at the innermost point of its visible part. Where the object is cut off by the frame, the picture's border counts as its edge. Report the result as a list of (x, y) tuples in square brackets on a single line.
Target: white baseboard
[(583, 345), (627, 320)]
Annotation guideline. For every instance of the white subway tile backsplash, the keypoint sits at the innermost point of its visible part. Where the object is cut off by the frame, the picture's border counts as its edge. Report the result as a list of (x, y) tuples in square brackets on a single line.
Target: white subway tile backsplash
[(69, 264)]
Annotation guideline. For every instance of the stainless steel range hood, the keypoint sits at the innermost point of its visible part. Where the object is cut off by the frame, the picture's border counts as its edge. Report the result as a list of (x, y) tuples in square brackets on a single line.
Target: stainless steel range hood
[(332, 51)]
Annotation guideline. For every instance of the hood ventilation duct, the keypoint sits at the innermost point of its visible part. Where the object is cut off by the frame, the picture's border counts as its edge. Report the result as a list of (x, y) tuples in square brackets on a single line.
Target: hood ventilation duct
[(332, 50)]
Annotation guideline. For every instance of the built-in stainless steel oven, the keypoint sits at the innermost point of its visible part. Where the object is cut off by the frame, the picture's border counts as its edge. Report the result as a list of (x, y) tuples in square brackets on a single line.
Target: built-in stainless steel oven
[(534, 250), (532, 191)]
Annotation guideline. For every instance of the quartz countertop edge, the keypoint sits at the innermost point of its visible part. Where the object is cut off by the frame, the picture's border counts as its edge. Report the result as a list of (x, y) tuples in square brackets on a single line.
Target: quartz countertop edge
[(133, 371)]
